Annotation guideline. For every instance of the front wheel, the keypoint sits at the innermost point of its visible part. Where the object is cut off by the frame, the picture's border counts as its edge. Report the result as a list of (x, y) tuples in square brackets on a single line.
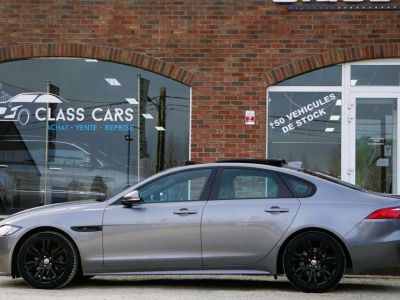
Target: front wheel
[(47, 260), (314, 262)]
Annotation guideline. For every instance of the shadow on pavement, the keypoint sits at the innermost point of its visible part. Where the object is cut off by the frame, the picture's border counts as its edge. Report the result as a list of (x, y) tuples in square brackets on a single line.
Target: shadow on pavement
[(258, 283)]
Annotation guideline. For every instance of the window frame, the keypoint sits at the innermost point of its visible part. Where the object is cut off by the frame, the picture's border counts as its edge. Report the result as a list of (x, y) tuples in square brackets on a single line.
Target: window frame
[(313, 186), (204, 194), (348, 95), (217, 182)]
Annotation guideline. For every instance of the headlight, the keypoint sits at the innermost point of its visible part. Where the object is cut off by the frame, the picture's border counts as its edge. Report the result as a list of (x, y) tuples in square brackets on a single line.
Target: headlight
[(8, 230)]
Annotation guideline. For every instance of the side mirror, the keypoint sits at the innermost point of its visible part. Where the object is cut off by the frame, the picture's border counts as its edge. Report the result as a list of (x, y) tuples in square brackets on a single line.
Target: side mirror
[(131, 199)]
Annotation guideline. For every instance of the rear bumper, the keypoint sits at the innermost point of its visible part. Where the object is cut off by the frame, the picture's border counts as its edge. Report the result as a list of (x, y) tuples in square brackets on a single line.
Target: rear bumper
[(375, 245)]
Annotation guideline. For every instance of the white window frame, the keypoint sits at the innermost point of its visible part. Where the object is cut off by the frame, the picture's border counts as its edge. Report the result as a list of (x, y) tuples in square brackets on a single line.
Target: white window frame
[(349, 94)]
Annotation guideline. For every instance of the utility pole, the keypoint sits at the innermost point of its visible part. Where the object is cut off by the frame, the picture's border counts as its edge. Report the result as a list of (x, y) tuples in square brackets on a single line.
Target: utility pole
[(138, 76), (161, 131), (50, 138), (128, 139)]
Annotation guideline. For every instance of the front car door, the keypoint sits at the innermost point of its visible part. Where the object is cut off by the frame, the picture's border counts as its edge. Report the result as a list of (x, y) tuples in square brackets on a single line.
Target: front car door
[(163, 232), (248, 212)]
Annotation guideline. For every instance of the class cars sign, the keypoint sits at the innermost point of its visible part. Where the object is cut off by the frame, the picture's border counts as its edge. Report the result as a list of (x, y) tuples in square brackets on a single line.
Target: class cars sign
[(329, 5), (26, 106), (330, 1)]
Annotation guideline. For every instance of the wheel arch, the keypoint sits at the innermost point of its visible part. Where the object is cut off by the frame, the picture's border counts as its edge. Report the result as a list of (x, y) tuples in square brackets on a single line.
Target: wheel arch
[(279, 261), (14, 267)]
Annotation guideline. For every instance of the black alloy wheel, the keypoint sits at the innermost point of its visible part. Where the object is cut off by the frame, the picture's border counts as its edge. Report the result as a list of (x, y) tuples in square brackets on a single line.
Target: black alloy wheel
[(47, 260), (314, 262)]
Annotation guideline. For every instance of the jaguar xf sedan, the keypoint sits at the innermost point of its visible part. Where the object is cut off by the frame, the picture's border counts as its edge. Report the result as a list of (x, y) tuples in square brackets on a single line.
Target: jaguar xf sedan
[(230, 217)]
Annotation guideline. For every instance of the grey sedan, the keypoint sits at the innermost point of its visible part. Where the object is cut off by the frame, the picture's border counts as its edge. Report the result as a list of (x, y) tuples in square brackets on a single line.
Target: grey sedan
[(232, 217)]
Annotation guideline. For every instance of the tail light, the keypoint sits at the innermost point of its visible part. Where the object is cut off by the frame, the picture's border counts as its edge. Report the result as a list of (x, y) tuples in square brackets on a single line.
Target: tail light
[(386, 213)]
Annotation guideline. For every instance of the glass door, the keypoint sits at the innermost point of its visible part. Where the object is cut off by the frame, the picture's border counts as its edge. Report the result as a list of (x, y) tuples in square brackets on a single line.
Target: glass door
[(374, 151)]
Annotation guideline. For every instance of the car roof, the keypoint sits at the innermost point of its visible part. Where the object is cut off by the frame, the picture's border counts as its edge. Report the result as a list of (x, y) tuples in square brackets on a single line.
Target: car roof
[(36, 98)]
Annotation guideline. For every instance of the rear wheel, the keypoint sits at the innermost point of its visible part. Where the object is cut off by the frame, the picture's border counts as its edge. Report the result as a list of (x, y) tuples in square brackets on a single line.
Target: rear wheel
[(47, 260), (314, 262)]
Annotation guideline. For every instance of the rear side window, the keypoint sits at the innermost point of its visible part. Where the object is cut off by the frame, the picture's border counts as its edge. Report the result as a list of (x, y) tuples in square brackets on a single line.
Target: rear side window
[(244, 183), (299, 187)]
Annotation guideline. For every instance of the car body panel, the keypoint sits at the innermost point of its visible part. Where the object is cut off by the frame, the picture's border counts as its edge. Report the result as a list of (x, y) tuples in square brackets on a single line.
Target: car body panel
[(152, 235), (62, 217), (241, 232), (376, 242), (338, 210)]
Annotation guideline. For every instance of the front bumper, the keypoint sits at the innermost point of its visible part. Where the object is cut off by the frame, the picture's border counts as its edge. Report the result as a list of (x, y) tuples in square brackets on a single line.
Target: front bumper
[(7, 244), (375, 245)]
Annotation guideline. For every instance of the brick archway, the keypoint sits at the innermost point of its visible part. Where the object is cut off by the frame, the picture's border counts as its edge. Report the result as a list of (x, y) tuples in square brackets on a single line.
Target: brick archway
[(123, 56), (333, 57)]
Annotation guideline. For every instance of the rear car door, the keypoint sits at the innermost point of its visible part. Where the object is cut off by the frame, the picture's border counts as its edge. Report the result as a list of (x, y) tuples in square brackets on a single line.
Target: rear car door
[(248, 212)]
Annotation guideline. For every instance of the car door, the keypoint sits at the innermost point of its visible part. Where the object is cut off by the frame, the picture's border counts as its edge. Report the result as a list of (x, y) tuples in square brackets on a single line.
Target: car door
[(248, 212), (163, 232)]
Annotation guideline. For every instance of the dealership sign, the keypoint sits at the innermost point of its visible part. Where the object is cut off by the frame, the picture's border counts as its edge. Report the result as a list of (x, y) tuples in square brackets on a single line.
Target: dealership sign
[(327, 5), (330, 1), (43, 107), (303, 115)]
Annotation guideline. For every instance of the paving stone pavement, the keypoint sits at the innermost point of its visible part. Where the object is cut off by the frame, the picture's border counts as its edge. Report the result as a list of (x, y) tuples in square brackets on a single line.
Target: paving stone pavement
[(201, 287)]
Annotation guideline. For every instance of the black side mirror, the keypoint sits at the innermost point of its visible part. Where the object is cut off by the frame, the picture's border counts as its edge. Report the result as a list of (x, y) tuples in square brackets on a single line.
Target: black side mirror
[(131, 199)]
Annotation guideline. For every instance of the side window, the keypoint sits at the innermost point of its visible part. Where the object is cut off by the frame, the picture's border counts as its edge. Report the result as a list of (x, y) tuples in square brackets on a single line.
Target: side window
[(182, 186), (17, 152), (67, 155), (299, 187), (244, 183)]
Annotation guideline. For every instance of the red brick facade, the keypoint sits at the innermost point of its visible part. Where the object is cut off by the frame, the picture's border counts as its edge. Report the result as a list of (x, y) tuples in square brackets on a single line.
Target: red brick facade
[(228, 51)]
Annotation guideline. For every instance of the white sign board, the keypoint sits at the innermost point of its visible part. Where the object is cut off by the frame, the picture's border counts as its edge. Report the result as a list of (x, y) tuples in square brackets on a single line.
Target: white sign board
[(250, 117)]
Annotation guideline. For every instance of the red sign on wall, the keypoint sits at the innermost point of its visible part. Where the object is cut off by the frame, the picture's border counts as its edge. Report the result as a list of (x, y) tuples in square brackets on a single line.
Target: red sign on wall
[(250, 117)]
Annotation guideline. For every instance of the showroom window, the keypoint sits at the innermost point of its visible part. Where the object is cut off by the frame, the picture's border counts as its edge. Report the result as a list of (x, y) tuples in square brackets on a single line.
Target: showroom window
[(80, 142), (340, 120)]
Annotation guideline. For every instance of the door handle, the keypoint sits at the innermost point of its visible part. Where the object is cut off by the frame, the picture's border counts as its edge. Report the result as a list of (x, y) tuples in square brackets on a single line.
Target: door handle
[(3, 166), (185, 212), (55, 169), (276, 210)]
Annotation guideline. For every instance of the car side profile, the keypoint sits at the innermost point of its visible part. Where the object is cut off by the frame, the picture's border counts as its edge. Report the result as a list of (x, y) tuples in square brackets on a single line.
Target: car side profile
[(231, 217)]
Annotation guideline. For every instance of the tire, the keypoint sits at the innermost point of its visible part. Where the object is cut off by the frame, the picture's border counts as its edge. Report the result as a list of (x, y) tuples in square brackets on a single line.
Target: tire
[(314, 262), (47, 260)]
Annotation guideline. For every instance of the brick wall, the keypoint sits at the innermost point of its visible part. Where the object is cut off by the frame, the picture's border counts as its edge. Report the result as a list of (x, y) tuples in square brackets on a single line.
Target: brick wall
[(228, 51)]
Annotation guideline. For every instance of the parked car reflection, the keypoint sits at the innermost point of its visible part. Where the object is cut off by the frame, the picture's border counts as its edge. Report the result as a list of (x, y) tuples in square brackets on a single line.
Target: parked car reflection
[(72, 173)]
